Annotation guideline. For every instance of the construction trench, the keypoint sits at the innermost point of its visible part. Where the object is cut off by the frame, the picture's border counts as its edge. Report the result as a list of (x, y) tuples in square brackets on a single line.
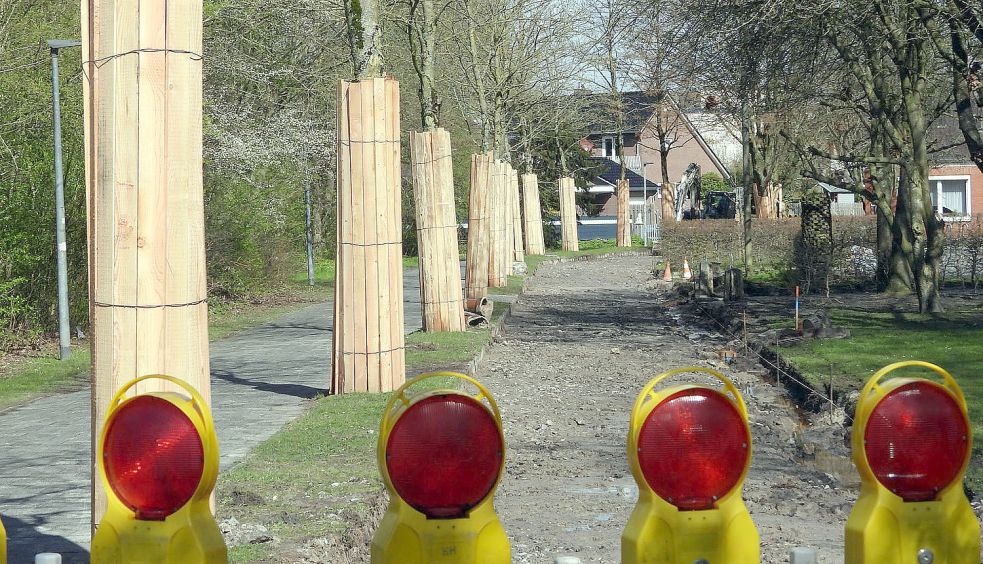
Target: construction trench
[(579, 346)]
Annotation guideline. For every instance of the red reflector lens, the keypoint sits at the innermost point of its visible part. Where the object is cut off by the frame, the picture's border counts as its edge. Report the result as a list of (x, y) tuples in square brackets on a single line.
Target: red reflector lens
[(153, 457), (444, 455), (916, 440), (693, 448)]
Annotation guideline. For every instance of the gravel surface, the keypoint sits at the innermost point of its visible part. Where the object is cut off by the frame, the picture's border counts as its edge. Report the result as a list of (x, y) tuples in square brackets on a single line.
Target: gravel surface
[(580, 345)]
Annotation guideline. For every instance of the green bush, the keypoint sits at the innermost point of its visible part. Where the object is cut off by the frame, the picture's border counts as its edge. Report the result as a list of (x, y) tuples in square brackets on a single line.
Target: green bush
[(254, 230), (712, 182), (773, 250)]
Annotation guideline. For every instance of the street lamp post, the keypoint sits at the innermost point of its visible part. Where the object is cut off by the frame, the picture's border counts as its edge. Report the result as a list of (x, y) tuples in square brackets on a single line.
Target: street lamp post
[(309, 229), (64, 335), (645, 203)]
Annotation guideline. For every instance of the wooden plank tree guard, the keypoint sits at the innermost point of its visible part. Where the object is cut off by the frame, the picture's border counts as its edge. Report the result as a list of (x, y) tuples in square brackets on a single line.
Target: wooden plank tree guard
[(442, 298), (623, 234), (535, 243), (479, 228), (518, 246), (142, 90), (368, 349), (568, 215), (500, 255)]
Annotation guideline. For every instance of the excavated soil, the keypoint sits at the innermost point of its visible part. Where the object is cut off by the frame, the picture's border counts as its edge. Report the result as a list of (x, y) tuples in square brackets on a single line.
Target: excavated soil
[(581, 343)]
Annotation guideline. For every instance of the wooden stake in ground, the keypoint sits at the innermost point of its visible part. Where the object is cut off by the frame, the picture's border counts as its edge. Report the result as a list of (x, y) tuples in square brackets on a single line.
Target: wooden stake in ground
[(623, 235), (518, 246), (479, 230), (442, 299), (500, 255), (568, 215), (535, 245), (368, 348), (143, 146)]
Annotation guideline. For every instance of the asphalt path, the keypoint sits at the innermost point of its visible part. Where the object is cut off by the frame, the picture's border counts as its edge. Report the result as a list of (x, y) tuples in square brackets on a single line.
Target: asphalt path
[(262, 378)]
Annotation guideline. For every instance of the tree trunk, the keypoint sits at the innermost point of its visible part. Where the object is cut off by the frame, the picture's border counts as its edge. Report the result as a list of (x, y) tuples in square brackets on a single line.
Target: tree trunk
[(963, 96), (893, 273), (479, 81), (746, 193), (925, 229), (563, 154), (900, 277), (764, 202), (501, 140), (885, 242), (365, 35), (423, 41), (668, 197)]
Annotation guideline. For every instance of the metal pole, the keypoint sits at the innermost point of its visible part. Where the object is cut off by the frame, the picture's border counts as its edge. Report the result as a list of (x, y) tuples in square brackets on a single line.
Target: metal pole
[(64, 337), (310, 231)]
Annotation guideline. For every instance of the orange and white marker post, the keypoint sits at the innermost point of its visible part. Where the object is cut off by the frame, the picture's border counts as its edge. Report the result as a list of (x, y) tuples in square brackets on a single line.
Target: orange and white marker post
[(687, 274), (667, 275)]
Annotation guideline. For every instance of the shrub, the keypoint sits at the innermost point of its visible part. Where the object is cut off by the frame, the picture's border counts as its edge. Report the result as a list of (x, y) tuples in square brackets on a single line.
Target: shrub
[(773, 247), (712, 182), (963, 256)]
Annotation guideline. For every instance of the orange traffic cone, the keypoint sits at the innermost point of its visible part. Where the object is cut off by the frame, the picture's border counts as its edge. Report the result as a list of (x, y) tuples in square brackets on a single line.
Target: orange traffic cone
[(667, 275), (686, 272)]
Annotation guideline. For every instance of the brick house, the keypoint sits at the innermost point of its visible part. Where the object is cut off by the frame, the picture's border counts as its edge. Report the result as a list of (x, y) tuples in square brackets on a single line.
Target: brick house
[(641, 143), (957, 183)]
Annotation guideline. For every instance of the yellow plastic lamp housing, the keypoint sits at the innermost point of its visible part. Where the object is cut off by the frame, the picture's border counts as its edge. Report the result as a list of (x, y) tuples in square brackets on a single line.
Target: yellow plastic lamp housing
[(912, 443), (441, 454), (689, 448), (158, 458), (3, 544)]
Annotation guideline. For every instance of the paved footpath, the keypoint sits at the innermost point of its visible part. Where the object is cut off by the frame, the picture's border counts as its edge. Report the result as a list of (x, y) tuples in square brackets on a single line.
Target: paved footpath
[(261, 379)]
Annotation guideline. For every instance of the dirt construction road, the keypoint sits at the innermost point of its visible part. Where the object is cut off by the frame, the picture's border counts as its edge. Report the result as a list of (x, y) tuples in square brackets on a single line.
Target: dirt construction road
[(581, 344)]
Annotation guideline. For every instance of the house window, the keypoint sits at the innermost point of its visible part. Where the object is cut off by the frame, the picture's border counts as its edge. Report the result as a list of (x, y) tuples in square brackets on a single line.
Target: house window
[(607, 145), (951, 195)]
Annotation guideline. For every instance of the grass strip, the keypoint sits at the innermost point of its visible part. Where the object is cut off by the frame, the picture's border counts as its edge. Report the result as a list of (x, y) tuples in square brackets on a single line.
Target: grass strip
[(950, 340)]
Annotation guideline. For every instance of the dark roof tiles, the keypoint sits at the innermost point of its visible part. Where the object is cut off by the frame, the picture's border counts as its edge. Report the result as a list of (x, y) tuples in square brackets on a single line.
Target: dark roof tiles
[(609, 172)]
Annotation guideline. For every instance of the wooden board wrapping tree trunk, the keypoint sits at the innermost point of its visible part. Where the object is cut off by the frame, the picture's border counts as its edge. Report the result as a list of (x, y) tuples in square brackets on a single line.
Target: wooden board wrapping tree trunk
[(623, 235), (518, 246), (368, 349), (500, 255), (535, 243), (441, 296), (479, 228), (509, 244), (142, 83), (568, 215)]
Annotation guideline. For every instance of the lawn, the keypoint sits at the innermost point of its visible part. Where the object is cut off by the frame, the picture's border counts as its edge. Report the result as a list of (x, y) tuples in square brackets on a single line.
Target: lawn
[(324, 271), (953, 340)]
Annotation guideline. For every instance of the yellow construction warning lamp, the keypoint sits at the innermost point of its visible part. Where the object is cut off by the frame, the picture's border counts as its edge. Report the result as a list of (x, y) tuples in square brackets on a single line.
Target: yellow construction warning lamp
[(689, 448), (441, 455), (3, 544), (158, 456), (912, 443)]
